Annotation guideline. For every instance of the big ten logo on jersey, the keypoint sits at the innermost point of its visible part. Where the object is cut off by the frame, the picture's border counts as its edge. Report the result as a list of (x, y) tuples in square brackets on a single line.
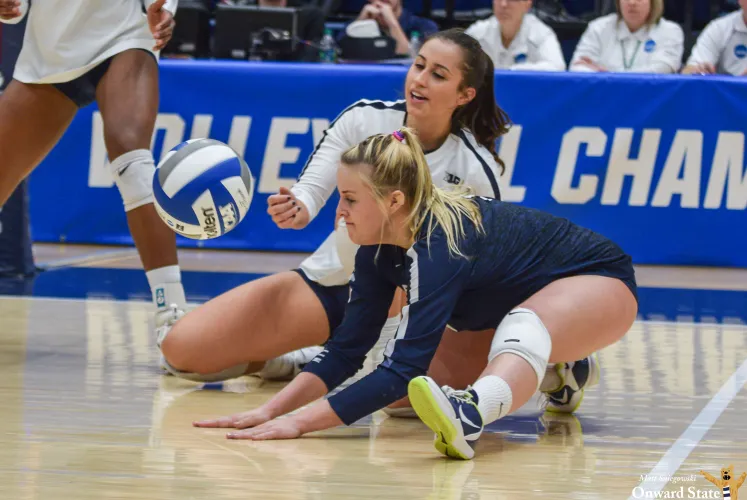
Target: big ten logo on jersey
[(452, 179), (171, 129)]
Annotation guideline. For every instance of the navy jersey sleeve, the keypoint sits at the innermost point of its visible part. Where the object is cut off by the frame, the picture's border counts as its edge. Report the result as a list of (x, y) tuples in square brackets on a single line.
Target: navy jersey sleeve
[(371, 295), (433, 285)]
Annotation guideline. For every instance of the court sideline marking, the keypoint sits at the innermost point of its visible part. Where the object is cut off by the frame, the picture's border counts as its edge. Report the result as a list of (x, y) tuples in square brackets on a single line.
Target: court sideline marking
[(686, 443)]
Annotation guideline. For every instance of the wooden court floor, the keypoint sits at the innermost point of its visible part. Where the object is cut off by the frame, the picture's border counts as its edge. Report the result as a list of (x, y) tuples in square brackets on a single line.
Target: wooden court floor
[(85, 414)]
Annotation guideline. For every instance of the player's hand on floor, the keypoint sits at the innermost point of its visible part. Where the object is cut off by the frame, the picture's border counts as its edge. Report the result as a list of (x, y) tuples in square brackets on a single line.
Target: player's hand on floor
[(10, 9), (287, 211), (283, 428), (243, 420), (161, 23)]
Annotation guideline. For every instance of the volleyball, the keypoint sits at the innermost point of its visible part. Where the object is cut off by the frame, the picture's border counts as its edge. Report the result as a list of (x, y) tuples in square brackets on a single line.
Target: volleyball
[(202, 189)]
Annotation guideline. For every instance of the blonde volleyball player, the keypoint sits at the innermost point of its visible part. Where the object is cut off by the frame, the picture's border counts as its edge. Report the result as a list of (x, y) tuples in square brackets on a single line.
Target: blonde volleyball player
[(270, 326), (546, 289), (75, 52), (450, 101)]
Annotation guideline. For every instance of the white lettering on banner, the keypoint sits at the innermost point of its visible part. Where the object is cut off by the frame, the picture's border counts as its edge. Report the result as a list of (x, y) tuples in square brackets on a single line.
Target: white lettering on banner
[(98, 168), (596, 142), (239, 134), (201, 126), (728, 162), (621, 165), (99, 174), (508, 151), (687, 148), (681, 173), (318, 126), (173, 125), (276, 153)]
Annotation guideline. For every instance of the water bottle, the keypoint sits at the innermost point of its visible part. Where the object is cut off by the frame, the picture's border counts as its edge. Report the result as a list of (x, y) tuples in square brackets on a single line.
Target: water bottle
[(415, 43), (327, 48)]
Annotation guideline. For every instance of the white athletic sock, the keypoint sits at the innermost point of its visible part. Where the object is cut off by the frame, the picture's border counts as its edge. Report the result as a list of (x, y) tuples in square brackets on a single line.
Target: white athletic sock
[(166, 287), (494, 398), (279, 367), (552, 381)]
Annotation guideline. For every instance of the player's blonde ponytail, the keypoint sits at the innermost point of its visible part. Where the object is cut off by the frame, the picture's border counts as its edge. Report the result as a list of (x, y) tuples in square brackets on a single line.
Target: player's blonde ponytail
[(399, 164)]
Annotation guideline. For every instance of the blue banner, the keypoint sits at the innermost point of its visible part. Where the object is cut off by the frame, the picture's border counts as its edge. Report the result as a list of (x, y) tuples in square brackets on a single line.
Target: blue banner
[(654, 162)]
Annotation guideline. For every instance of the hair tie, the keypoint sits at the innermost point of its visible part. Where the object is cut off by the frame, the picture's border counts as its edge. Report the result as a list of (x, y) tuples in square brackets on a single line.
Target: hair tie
[(398, 135)]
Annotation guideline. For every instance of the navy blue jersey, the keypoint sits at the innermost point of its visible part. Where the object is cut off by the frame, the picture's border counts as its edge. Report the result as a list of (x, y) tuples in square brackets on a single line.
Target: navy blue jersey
[(520, 251)]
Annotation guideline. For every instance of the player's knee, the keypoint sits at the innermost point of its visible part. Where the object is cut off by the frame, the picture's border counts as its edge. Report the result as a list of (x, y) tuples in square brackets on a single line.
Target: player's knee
[(133, 174), (176, 351), (184, 355), (181, 352), (522, 333)]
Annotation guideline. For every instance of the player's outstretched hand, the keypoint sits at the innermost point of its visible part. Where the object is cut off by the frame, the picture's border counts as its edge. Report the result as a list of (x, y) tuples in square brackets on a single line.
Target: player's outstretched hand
[(161, 23), (287, 211), (282, 428), (10, 9), (243, 420)]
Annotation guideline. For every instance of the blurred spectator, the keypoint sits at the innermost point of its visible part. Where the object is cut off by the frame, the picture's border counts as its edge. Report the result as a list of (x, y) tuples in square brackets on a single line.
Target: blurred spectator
[(635, 39), (516, 39), (722, 46), (396, 22)]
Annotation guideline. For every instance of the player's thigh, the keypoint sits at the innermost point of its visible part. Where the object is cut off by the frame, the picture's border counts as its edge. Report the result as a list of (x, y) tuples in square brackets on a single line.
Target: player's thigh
[(257, 321), (32, 120), (583, 314), (128, 100)]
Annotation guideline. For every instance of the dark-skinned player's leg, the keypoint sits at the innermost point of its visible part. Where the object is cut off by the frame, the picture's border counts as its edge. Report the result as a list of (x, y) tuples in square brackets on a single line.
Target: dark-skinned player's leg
[(128, 99), (32, 120)]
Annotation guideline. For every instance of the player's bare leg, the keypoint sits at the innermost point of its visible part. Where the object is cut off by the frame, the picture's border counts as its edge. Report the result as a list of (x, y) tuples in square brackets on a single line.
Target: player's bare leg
[(32, 120), (128, 99)]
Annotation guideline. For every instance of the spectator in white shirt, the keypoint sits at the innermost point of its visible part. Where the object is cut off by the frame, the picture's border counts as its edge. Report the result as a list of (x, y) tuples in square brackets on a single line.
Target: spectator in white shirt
[(722, 46), (636, 39), (516, 39)]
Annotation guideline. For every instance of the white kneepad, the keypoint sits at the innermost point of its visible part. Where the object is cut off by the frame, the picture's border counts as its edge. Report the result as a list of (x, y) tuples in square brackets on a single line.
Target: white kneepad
[(133, 175), (522, 333)]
